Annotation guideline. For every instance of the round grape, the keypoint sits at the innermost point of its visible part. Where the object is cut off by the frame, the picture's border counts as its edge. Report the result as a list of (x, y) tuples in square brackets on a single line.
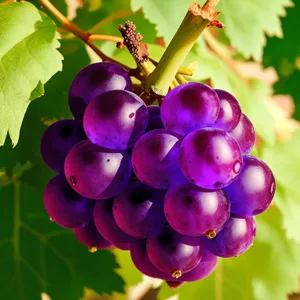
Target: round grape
[(210, 158), (253, 190), (57, 141), (90, 237), (189, 107), (193, 211), (244, 134), (155, 159), (66, 207), (230, 111), (173, 253), (139, 211), (94, 80), (115, 119), (155, 121), (107, 226), (96, 172), (234, 239)]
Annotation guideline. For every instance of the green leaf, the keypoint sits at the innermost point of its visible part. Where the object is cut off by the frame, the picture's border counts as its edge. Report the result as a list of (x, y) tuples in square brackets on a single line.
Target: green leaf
[(28, 57), (247, 22), (257, 274), (59, 266)]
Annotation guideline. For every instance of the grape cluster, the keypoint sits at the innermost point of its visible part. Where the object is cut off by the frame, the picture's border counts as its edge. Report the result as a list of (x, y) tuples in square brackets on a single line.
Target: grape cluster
[(174, 185)]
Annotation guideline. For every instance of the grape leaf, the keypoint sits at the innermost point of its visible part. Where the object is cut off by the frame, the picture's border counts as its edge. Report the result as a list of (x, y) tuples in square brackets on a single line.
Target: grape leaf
[(247, 22), (53, 261), (257, 274), (282, 54), (28, 57)]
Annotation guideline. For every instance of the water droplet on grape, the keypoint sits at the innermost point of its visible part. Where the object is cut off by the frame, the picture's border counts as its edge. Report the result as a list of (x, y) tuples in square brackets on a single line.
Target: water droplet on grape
[(131, 115), (237, 167), (73, 180)]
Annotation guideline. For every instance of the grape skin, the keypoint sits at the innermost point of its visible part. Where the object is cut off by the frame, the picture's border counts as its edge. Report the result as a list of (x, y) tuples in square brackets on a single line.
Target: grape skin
[(253, 190), (94, 80), (66, 207), (96, 172), (155, 121), (210, 158), (138, 210), (192, 211), (57, 141), (115, 119)]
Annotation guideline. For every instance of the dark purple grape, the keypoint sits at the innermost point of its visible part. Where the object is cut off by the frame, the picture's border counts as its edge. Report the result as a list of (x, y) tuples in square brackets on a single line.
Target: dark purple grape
[(57, 140), (173, 253), (139, 210), (107, 226), (96, 172), (115, 119), (210, 158), (206, 266), (253, 190), (90, 237), (193, 211), (155, 121), (244, 134), (230, 111), (234, 239), (64, 206), (139, 256), (155, 159), (94, 80), (189, 107)]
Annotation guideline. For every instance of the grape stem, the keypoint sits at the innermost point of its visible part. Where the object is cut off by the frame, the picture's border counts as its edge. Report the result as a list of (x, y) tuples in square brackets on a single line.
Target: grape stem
[(194, 23), (83, 35)]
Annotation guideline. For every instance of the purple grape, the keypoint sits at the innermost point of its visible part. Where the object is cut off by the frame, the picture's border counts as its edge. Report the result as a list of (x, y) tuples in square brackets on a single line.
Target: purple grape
[(90, 237), (155, 121), (253, 190), (96, 172), (230, 111), (173, 253), (139, 211), (94, 80), (189, 107), (155, 159), (57, 140), (64, 206), (107, 226), (210, 158), (234, 239), (244, 134), (139, 256), (193, 211), (206, 266), (115, 119)]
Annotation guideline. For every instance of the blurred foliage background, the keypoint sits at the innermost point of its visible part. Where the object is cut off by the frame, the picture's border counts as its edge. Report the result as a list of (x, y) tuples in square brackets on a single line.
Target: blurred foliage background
[(256, 57)]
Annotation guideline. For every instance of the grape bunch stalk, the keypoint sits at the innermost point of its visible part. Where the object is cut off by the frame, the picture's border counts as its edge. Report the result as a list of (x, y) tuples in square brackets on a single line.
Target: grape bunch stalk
[(174, 184)]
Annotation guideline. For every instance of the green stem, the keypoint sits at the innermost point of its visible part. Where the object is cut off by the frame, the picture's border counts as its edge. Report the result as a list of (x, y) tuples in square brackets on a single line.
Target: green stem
[(194, 23)]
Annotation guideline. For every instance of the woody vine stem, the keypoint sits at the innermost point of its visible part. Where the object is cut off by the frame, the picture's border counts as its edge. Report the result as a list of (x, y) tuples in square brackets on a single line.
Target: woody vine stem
[(163, 76)]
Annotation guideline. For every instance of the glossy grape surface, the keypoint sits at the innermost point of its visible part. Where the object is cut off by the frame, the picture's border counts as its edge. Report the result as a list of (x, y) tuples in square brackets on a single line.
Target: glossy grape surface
[(115, 119), (66, 207), (253, 190), (234, 239), (57, 141), (94, 80), (244, 134), (230, 111), (193, 211), (90, 237), (96, 172), (139, 211), (189, 107), (210, 158), (155, 159)]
